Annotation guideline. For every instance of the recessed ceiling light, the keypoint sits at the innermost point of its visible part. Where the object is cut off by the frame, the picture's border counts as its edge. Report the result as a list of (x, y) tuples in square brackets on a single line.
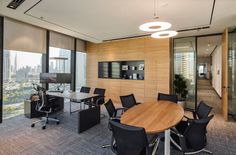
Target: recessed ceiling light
[(164, 34), (209, 45), (154, 26), (207, 49)]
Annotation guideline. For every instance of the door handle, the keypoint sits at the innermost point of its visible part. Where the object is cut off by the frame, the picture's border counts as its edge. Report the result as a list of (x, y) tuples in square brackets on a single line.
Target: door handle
[(226, 87)]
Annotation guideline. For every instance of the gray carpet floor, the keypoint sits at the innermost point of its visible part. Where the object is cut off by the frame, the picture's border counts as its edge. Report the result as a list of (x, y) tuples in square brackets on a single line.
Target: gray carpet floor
[(18, 138)]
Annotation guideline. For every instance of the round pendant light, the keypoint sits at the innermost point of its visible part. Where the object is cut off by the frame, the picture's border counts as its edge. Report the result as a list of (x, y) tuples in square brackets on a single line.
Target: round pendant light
[(154, 26), (164, 34)]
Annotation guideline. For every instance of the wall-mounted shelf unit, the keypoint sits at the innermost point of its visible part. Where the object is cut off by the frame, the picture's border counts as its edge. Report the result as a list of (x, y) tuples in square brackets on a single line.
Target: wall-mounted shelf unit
[(130, 70)]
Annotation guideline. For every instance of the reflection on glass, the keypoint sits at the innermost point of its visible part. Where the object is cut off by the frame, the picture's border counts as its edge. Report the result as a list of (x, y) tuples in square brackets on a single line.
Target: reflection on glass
[(232, 74), (18, 76), (103, 69), (59, 62), (184, 64), (80, 70), (115, 70)]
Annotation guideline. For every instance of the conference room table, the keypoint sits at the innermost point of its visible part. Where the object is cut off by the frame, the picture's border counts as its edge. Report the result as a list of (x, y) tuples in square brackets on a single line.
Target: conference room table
[(87, 118), (155, 117)]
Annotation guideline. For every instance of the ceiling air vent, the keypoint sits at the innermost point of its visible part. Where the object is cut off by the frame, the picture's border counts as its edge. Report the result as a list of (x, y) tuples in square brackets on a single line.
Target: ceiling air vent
[(15, 3)]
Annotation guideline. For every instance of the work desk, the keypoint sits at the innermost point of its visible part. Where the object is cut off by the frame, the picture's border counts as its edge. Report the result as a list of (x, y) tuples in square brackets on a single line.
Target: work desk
[(73, 95), (87, 118)]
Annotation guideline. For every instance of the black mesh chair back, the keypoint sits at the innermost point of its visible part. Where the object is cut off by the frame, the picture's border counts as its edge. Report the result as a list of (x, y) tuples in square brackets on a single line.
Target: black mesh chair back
[(85, 89), (42, 103), (195, 133), (128, 101), (110, 108), (100, 99), (168, 97), (203, 110), (129, 140)]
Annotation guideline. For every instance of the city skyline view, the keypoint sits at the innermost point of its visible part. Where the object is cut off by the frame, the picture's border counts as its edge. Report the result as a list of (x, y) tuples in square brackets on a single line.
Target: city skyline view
[(20, 70)]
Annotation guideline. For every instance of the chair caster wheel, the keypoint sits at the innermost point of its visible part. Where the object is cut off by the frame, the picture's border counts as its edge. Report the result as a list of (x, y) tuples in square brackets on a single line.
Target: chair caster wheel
[(44, 127), (32, 125), (58, 123)]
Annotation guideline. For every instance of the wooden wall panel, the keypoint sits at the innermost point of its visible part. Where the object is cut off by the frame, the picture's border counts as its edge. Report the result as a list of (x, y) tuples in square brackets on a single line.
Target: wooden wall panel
[(155, 53), (225, 83)]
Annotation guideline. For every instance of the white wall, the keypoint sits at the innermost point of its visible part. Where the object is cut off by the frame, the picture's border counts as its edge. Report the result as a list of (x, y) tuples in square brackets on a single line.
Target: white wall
[(217, 69), (207, 62)]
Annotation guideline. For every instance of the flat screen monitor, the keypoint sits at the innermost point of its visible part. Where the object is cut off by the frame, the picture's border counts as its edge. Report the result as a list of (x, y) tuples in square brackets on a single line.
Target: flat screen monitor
[(55, 78)]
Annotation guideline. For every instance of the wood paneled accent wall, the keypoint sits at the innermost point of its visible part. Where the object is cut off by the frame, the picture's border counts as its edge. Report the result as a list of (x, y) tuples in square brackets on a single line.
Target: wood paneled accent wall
[(225, 82), (155, 53)]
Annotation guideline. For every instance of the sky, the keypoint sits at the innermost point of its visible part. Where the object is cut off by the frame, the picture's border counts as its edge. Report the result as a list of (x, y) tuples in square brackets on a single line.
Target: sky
[(25, 59)]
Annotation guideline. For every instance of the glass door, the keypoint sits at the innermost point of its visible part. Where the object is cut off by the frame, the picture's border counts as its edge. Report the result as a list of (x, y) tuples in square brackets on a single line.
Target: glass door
[(185, 67), (232, 75)]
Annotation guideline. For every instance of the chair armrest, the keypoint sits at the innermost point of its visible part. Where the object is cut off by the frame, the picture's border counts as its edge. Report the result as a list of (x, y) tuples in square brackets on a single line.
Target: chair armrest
[(115, 118), (123, 109), (99, 99)]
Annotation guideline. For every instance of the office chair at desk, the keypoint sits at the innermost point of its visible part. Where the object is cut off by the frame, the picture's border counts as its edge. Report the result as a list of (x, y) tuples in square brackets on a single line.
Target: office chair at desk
[(44, 106)]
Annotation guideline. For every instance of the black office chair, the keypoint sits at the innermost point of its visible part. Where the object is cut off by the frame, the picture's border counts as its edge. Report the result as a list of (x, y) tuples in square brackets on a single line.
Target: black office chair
[(190, 137), (130, 140), (82, 90), (111, 110), (85, 89), (96, 101), (45, 105), (113, 115), (128, 101), (168, 97), (101, 98), (202, 111)]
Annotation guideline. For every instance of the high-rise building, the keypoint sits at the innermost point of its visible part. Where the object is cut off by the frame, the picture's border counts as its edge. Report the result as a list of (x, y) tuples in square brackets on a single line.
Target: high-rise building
[(6, 66)]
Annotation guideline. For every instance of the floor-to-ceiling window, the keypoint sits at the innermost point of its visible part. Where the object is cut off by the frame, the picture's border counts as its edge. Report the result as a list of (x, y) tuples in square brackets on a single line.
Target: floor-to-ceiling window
[(59, 62), (18, 76), (80, 70), (185, 65), (24, 46), (232, 74), (60, 48)]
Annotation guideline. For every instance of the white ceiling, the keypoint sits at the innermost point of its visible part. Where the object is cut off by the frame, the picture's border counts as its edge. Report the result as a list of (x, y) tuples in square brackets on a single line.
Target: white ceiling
[(99, 20), (206, 45)]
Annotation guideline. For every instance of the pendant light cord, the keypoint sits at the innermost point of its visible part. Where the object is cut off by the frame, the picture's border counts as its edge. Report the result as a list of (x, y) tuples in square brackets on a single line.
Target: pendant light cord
[(155, 10)]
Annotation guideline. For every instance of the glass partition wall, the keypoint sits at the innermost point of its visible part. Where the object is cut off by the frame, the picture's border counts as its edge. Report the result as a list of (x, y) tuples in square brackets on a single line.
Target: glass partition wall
[(232, 74), (185, 65)]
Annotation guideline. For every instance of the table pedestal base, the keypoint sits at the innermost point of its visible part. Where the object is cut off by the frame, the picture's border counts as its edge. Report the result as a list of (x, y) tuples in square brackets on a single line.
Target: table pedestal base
[(167, 142)]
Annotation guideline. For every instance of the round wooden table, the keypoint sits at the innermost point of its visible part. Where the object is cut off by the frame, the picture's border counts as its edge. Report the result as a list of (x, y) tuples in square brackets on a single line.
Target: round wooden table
[(155, 117)]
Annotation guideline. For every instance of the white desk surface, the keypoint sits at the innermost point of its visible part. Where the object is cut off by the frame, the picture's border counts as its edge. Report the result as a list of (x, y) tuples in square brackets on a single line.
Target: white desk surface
[(73, 95)]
